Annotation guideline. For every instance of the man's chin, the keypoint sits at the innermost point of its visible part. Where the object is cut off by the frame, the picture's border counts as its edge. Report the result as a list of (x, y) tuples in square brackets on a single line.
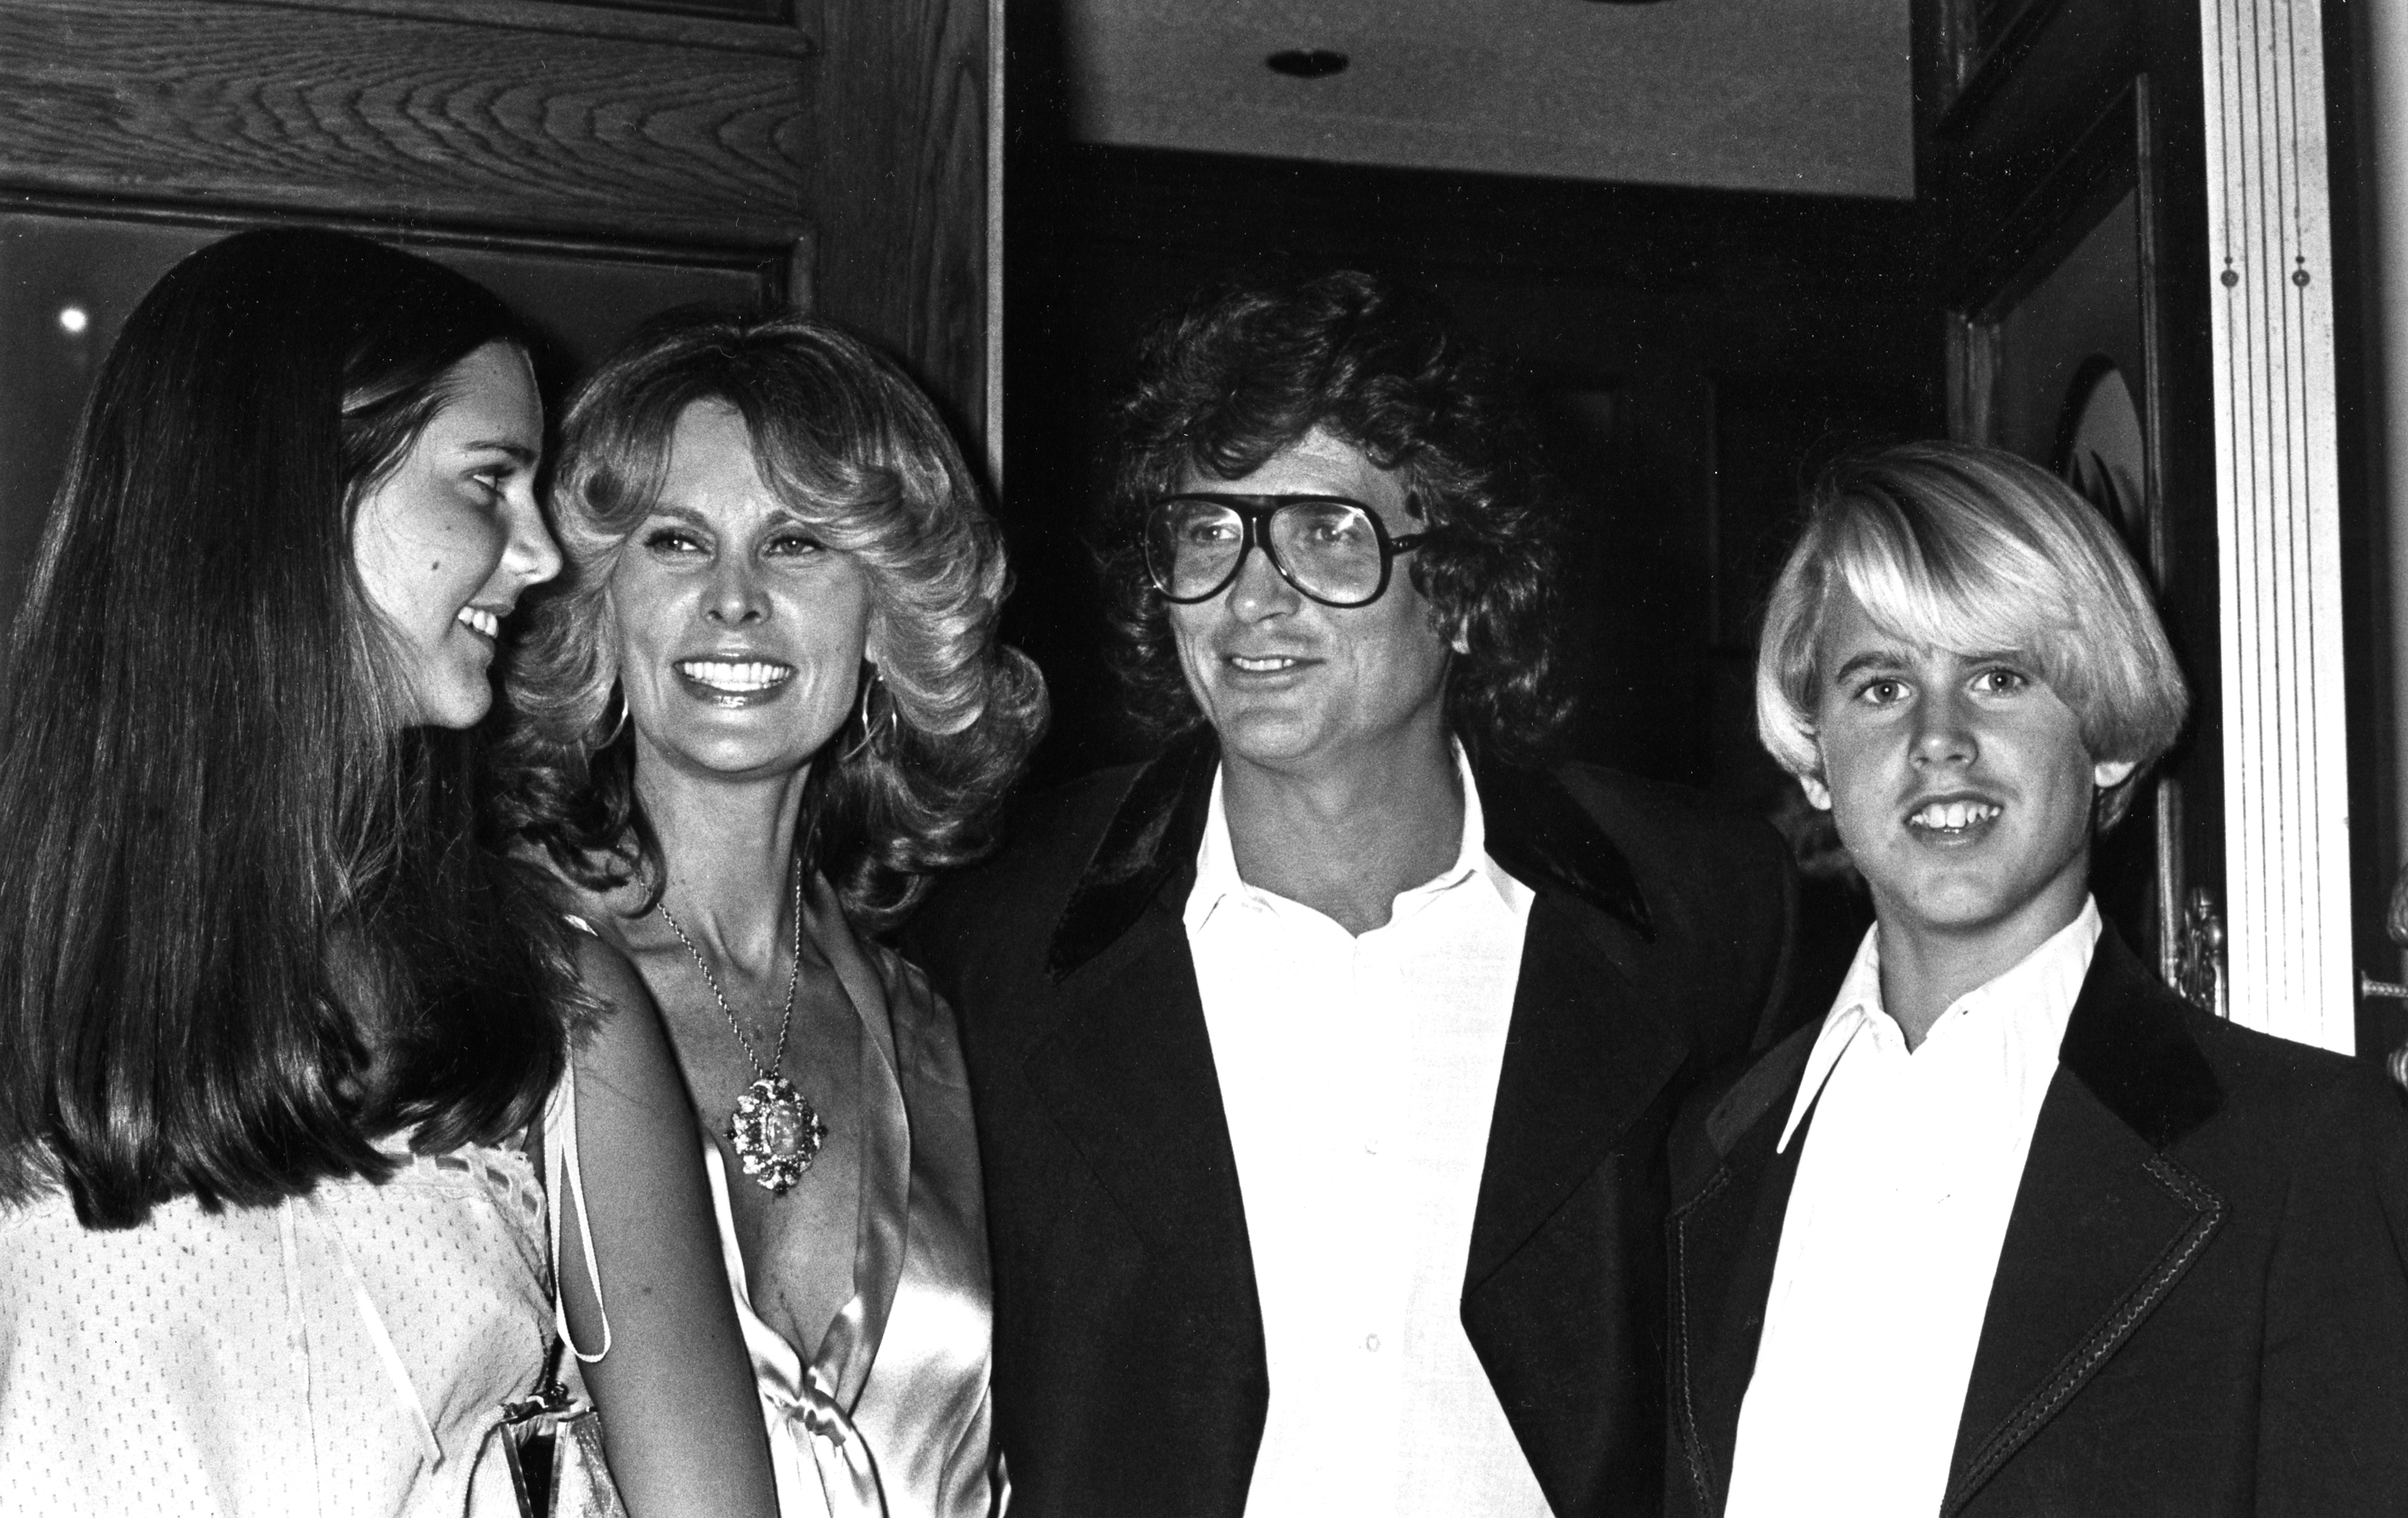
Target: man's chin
[(1267, 739), (1972, 916)]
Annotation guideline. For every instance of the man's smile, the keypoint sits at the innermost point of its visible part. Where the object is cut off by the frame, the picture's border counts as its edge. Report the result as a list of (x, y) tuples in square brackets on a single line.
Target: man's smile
[(1951, 818)]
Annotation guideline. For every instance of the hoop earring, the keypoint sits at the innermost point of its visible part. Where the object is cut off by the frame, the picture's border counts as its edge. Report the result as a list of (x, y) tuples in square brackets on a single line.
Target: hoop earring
[(879, 733), (620, 690)]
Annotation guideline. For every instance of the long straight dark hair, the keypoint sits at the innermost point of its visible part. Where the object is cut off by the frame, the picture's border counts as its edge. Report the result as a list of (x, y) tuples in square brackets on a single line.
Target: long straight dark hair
[(223, 859)]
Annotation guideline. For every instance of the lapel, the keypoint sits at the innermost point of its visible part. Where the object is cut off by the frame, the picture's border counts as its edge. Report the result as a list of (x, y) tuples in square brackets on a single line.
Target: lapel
[(1126, 1067), (2104, 1224), (1585, 1053), (1732, 1192), (2105, 1221), (1128, 1064), (1563, 1275)]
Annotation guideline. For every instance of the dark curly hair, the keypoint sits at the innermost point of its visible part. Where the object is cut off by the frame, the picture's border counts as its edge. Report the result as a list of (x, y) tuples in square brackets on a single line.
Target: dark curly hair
[(1254, 362), (852, 447)]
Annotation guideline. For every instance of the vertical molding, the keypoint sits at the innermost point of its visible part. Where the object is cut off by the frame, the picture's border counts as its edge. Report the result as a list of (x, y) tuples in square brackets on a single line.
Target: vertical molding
[(992, 423), (2386, 122), (1972, 379), (2287, 784), (1718, 595), (802, 284), (900, 137)]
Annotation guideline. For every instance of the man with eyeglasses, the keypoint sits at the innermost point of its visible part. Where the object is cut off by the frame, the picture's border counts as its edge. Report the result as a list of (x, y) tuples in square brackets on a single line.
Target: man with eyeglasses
[(1323, 1065)]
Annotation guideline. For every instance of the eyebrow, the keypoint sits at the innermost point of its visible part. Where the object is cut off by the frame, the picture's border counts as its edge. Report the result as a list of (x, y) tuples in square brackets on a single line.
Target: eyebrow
[(786, 515), (517, 452), (1873, 659), (1889, 660)]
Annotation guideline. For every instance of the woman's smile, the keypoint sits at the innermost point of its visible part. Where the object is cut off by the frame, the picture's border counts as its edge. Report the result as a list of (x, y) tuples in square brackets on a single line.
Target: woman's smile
[(742, 635), (735, 682)]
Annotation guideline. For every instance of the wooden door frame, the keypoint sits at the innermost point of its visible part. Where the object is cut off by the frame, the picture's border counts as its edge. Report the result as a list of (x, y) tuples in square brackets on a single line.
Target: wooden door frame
[(2115, 156), (851, 146), (2232, 151), (2278, 520)]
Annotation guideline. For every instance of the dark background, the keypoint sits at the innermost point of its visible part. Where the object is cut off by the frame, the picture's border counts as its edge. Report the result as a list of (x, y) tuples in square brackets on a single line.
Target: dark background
[(1693, 354)]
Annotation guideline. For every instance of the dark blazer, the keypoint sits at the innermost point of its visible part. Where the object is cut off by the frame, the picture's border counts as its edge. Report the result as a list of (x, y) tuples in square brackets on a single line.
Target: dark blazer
[(1129, 1371), (2201, 1303)]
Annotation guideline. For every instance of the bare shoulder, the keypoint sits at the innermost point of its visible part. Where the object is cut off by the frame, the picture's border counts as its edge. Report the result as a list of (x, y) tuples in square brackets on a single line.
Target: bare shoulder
[(608, 975), (620, 1034), (607, 980)]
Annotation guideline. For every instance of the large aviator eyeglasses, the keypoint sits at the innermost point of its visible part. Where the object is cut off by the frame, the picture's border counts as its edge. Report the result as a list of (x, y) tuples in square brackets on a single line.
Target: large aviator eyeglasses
[(1332, 549)]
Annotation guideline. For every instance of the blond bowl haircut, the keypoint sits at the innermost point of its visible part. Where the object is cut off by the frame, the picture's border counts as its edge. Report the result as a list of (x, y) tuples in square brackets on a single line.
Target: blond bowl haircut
[(1974, 551)]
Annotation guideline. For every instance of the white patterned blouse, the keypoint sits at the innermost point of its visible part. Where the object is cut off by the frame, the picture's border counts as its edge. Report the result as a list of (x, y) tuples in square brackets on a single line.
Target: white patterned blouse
[(348, 1352)]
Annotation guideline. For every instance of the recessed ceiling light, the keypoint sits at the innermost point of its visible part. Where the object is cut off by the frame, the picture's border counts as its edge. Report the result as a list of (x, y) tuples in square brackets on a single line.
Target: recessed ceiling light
[(1307, 62)]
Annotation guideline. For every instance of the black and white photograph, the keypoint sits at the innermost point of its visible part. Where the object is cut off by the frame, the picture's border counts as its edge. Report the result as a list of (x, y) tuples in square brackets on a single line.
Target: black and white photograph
[(1259, 759)]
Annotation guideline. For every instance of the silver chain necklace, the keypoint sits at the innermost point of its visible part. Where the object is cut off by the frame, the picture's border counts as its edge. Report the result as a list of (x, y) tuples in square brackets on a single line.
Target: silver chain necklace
[(776, 1133)]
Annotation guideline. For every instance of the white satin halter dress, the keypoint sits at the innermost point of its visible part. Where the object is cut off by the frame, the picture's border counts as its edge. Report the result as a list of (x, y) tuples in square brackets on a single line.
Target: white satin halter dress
[(892, 1417)]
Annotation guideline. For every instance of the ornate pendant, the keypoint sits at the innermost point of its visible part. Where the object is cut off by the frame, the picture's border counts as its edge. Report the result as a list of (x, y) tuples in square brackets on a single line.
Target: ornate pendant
[(776, 1133)]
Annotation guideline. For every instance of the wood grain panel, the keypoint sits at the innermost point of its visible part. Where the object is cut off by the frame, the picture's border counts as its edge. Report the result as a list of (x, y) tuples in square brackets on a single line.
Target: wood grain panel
[(897, 175), (406, 117), (758, 26)]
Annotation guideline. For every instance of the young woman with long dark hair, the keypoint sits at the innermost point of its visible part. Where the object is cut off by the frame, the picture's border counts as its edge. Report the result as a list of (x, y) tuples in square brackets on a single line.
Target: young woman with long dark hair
[(277, 1021)]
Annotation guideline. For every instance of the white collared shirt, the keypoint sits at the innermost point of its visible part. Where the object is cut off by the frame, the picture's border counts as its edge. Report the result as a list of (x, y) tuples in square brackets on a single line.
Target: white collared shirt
[(1892, 1237), (1357, 1075)]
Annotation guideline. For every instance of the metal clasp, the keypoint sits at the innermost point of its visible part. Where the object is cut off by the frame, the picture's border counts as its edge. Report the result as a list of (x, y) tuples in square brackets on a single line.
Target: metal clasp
[(2199, 969)]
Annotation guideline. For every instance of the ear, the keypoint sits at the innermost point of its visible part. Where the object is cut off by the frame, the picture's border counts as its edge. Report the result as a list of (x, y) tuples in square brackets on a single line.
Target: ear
[(1818, 795), (2107, 774)]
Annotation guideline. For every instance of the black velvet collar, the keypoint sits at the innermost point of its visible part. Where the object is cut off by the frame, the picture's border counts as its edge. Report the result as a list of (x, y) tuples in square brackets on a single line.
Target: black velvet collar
[(1535, 830), (2124, 1040), (2127, 1042)]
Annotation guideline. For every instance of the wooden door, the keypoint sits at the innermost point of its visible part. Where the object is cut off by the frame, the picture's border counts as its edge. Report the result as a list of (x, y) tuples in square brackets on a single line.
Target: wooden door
[(593, 162)]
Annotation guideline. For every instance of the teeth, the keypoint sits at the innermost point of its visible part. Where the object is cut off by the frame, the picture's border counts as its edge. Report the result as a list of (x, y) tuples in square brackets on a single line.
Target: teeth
[(482, 621), (1954, 816), (722, 675), (1259, 667)]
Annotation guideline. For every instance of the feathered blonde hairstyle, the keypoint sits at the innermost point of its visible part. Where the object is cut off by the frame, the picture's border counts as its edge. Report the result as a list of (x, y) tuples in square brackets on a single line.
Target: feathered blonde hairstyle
[(852, 447), (1971, 548)]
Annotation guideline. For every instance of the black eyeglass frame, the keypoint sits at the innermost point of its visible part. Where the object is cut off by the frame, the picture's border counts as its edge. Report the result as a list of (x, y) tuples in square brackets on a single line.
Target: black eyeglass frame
[(1256, 513)]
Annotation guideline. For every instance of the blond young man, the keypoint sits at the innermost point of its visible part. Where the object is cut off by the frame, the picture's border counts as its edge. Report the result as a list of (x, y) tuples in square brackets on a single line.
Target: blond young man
[(2014, 1229)]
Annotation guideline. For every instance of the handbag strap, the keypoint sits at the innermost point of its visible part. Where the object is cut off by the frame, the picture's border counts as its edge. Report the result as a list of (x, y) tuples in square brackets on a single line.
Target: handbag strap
[(560, 1170)]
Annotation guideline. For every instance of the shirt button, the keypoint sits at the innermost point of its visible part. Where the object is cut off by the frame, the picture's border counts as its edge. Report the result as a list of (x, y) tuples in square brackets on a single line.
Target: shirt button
[(1371, 1342)]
